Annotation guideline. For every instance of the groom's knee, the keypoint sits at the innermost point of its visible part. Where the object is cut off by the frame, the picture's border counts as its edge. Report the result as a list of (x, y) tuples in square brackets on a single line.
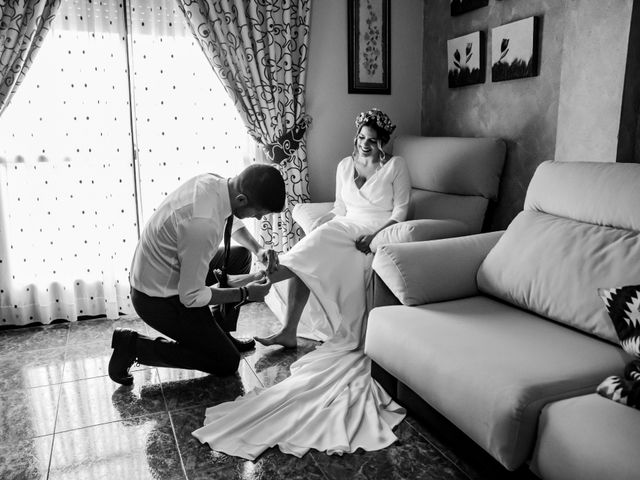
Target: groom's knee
[(239, 260)]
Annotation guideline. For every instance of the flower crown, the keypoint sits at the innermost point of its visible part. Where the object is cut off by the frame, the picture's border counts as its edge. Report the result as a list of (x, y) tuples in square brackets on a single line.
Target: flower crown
[(382, 120)]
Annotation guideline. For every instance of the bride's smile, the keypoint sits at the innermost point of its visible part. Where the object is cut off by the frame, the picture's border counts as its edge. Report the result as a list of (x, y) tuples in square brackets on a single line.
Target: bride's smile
[(367, 142)]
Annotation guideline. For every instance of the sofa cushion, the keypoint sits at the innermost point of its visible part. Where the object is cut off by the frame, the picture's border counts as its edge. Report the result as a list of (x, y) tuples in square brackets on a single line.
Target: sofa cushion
[(487, 366), (589, 438), (604, 194), (579, 231), (461, 166), (418, 231), (304, 214), (468, 209), (451, 264), (554, 266)]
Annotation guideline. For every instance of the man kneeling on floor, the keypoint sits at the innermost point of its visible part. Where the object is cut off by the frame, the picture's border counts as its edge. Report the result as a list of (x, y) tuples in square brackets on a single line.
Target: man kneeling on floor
[(174, 270)]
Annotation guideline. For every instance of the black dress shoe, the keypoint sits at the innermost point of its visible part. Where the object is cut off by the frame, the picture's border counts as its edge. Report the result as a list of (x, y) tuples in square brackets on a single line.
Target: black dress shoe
[(242, 344), (123, 357)]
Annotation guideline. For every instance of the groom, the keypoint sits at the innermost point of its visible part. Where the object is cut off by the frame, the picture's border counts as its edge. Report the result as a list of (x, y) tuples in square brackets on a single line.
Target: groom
[(172, 273)]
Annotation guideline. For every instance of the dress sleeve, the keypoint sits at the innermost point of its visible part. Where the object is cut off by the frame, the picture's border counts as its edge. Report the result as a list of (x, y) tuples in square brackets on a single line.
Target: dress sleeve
[(195, 251), (339, 208), (401, 190)]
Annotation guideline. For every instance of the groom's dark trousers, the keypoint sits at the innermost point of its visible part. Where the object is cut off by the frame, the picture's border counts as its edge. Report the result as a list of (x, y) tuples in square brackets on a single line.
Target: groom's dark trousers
[(197, 340)]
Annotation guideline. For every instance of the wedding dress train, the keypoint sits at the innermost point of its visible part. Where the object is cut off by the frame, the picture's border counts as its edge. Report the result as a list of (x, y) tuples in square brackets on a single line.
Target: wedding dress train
[(329, 402)]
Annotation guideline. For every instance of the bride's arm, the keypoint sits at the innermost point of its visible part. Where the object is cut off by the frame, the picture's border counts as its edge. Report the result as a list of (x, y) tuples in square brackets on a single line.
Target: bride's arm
[(401, 195)]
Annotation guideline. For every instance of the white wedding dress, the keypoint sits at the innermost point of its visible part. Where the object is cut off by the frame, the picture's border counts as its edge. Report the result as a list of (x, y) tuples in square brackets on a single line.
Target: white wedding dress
[(330, 402)]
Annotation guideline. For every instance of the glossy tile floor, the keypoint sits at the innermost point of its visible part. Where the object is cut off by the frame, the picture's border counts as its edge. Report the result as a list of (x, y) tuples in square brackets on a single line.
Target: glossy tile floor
[(61, 417)]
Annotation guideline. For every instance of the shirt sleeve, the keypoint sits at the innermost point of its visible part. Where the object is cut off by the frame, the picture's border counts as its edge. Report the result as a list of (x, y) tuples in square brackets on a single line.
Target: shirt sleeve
[(401, 190), (339, 207), (196, 247)]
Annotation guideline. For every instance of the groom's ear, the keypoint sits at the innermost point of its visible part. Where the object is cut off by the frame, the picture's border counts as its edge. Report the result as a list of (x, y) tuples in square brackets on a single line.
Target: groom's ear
[(242, 200)]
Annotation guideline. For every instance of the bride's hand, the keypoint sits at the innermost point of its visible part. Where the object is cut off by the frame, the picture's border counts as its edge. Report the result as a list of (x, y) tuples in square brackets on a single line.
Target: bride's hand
[(363, 243)]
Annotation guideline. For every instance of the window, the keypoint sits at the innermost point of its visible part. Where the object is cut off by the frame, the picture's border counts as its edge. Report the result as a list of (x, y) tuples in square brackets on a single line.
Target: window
[(71, 190)]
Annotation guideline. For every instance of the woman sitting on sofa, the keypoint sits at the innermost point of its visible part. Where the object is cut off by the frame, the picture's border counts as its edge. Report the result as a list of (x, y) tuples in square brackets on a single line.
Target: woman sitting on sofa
[(330, 402)]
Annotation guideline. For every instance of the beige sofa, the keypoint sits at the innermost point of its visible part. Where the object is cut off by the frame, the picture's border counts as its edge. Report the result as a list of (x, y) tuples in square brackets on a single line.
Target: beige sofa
[(504, 334)]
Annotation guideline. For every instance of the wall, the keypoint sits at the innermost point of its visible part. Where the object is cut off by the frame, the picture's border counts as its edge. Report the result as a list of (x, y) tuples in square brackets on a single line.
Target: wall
[(629, 134), (596, 41), (525, 112), (330, 137)]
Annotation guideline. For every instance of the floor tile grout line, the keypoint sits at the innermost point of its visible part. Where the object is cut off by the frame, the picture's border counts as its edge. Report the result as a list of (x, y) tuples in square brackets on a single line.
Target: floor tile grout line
[(55, 423), (53, 442), (63, 382), (108, 422), (173, 428), (253, 372), (439, 450)]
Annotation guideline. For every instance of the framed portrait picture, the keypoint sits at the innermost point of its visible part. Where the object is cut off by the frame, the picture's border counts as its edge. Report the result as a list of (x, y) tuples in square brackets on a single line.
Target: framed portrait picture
[(514, 50), (369, 44), (458, 7), (465, 57)]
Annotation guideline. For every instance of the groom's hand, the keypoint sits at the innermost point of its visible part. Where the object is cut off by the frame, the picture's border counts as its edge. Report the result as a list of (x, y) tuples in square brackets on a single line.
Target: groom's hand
[(269, 258), (258, 289)]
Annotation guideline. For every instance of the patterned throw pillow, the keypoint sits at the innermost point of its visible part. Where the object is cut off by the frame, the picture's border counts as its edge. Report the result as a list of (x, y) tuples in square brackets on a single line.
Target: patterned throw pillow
[(621, 390), (623, 306)]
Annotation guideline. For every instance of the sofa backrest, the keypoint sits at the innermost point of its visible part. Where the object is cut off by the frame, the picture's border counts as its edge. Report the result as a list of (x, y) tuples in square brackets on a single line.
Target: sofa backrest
[(579, 231), (452, 177)]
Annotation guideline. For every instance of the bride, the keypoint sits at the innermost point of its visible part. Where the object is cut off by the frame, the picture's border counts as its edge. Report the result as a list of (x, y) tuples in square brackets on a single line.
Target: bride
[(330, 402)]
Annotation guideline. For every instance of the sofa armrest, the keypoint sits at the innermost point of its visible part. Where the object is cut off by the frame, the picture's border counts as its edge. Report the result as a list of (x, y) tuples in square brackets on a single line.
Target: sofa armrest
[(435, 270), (304, 214), (418, 231)]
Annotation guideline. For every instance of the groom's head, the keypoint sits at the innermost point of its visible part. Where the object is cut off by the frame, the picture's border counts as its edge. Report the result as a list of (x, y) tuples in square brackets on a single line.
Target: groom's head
[(257, 191)]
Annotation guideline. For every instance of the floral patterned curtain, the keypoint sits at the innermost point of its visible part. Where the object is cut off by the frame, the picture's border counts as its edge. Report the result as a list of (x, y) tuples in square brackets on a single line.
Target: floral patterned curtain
[(258, 49), (23, 26)]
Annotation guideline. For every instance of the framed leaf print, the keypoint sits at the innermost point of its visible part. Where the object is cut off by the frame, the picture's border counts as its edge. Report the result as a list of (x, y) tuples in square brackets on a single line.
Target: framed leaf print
[(465, 57), (514, 50), (369, 44)]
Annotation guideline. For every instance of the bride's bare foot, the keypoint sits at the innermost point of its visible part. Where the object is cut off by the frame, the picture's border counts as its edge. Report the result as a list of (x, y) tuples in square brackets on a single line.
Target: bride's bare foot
[(240, 280), (283, 338)]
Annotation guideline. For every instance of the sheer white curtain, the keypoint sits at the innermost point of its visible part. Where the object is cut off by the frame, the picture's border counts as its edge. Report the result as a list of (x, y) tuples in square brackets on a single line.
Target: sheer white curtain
[(67, 191), (186, 122), (68, 219)]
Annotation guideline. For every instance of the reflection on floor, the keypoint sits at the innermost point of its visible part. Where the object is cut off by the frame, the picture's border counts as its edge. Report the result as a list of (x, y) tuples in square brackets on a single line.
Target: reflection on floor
[(61, 417)]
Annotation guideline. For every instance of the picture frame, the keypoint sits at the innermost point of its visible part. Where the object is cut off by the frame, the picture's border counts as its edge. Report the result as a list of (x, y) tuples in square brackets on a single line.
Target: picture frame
[(466, 60), (458, 7), (515, 50), (369, 46)]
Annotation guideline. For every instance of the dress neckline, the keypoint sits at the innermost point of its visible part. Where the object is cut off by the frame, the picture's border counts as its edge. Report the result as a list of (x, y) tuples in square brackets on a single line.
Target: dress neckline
[(356, 175)]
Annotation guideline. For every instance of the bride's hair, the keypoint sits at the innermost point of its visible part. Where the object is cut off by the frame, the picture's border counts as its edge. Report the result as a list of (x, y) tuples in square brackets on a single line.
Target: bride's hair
[(380, 122)]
